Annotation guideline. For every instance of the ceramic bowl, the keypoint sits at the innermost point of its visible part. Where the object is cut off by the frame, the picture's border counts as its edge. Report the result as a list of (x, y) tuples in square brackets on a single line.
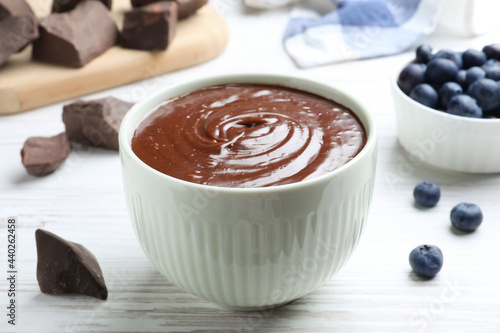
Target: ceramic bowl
[(249, 248), (444, 140)]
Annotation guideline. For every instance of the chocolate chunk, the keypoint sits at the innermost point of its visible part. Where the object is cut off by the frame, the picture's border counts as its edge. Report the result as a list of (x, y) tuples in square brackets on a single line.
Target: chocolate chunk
[(151, 27), (189, 7), (67, 268), (42, 155), (96, 122), (75, 38), (61, 6), (18, 27), (186, 7), (15, 8)]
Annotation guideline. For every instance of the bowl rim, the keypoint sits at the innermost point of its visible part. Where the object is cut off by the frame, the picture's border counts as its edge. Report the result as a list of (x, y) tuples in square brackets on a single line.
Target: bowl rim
[(142, 108), (438, 113)]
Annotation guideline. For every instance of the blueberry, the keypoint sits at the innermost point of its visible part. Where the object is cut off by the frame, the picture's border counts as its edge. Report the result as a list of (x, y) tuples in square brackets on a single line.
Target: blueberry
[(472, 58), (426, 260), (461, 77), (489, 62), (486, 93), (427, 194), (473, 74), (492, 51), (448, 91), (423, 54), (492, 69), (466, 216), (425, 94), (441, 71), (449, 54), (410, 77), (465, 106)]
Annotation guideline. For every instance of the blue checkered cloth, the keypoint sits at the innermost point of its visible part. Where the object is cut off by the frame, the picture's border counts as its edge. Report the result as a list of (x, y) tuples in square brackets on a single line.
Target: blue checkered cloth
[(327, 31)]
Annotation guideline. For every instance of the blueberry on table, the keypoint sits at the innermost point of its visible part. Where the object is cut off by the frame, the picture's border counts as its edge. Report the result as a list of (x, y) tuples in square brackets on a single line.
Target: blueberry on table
[(486, 93), (427, 194), (466, 216), (410, 77), (472, 58), (456, 57), (425, 94), (465, 106), (448, 91), (492, 51), (423, 54), (426, 260), (473, 74), (441, 71)]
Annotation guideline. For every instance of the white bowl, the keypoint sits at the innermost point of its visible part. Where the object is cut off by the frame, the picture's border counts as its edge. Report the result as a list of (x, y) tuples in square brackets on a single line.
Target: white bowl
[(249, 248), (444, 140)]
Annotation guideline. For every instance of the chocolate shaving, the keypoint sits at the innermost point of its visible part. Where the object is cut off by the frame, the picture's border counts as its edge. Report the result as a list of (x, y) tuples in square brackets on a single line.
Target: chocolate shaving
[(67, 268)]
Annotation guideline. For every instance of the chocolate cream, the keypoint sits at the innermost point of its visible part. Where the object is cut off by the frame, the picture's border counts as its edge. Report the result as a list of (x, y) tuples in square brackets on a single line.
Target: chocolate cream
[(248, 135)]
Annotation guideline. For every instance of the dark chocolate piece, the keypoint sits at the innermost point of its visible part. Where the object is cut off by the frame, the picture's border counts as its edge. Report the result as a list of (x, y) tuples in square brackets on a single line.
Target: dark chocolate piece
[(42, 155), (15, 8), (151, 27), (75, 38), (18, 27), (189, 7), (96, 122), (67, 268), (186, 7), (16, 32), (61, 6)]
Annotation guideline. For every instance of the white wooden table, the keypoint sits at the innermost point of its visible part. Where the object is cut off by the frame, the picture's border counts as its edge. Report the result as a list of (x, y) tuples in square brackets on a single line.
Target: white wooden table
[(374, 292)]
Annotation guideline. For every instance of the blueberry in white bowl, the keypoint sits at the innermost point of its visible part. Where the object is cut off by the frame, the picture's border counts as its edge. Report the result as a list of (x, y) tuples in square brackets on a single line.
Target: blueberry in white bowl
[(441, 70), (464, 106), (486, 94), (411, 76), (492, 51), (448, 91), (473, 57), (425, 94), (473, 74)]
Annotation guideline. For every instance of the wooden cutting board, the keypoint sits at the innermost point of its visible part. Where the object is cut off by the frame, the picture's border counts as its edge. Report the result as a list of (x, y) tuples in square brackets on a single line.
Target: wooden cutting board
[(26, 85)]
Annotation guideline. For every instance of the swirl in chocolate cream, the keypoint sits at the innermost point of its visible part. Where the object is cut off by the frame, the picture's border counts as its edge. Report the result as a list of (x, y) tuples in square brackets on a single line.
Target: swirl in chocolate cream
[(248, 135)]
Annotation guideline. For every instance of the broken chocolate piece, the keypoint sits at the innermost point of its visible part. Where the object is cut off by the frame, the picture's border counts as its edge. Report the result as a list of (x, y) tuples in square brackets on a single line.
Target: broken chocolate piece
[(43, 155), (67, 268), (189, 7), (186, 7), (15, 8), (75, 38), (96, 122), (151, 27), (61, 6), (18, 27), (16, 32)]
